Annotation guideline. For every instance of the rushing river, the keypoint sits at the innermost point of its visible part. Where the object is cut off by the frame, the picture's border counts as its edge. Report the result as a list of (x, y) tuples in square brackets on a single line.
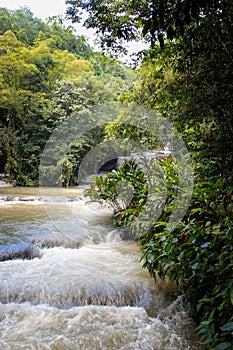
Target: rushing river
[(69, 280)]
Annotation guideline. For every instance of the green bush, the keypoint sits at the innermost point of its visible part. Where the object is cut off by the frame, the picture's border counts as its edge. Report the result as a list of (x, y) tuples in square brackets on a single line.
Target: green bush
[(197, 252), (125, 191)]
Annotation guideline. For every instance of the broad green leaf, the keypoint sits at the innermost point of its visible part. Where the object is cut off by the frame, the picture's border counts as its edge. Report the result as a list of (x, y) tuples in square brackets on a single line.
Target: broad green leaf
[(227, 327), (223, 346)]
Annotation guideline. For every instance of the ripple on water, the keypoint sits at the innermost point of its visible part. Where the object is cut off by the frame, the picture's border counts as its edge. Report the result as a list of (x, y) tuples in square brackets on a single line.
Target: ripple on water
[(87, 291), (103, 274), (85, 328)]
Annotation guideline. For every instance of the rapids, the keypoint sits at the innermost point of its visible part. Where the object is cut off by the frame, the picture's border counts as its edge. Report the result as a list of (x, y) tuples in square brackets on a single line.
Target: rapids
[(69, 280)]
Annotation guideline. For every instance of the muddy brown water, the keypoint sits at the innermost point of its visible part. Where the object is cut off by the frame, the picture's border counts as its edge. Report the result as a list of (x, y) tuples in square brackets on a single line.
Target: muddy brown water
[(86, 288)]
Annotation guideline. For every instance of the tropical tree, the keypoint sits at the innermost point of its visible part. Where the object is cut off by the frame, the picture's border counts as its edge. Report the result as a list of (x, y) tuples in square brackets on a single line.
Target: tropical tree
[(28, 74), (79, 96), (117, 21)]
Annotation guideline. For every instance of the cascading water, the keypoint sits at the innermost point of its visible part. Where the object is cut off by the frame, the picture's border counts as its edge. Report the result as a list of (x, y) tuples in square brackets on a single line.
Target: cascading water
[(84, 289)]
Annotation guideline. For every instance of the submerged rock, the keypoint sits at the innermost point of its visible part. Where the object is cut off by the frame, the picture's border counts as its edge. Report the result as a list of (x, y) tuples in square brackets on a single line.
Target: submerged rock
[(29, 199), (5, 184), (22, 251), (56, 242), (21, 199)]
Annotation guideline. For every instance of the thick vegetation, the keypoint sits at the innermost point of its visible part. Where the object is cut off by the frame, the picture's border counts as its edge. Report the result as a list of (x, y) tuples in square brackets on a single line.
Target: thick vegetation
[(195, 252), (46, 75)]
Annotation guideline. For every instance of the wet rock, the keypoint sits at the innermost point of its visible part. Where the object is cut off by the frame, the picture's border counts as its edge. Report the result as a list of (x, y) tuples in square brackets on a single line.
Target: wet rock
[(21, 251), (5, 184), (75, 199), (29, 199), (12, 199), (56, 242), (127, 235), (21, 199)]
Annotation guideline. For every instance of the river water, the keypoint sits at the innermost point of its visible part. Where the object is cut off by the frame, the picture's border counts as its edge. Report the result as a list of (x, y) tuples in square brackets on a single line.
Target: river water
[(70, 280)]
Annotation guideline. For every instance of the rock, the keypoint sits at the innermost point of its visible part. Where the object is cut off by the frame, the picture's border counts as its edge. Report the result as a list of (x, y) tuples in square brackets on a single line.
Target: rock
[(5, 184), (28, 199), (56, 242), (21, 251)]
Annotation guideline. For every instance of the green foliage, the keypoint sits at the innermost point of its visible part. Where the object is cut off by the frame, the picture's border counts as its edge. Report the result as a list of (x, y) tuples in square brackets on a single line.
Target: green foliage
[(79, 96), (24, 129), (197, 252), (29, 30), (44, 79), (125, 190), (118, 129), (119, 21), (190, 79)]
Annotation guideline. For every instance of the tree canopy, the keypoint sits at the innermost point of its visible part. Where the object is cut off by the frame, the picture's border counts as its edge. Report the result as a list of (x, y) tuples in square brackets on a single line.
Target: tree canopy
[(29, 29), (187, 73), (119, 20)]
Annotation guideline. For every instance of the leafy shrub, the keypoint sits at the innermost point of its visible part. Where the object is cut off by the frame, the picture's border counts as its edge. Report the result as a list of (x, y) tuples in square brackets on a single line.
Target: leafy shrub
[(197, 253), (125, 191)]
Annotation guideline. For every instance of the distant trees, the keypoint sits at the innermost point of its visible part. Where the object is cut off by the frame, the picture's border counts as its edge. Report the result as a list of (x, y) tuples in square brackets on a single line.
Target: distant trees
[(46, 75), (27, 29)]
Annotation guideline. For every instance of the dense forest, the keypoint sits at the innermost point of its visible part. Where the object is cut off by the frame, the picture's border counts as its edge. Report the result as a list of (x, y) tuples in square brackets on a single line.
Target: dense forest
[(47, 74)]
